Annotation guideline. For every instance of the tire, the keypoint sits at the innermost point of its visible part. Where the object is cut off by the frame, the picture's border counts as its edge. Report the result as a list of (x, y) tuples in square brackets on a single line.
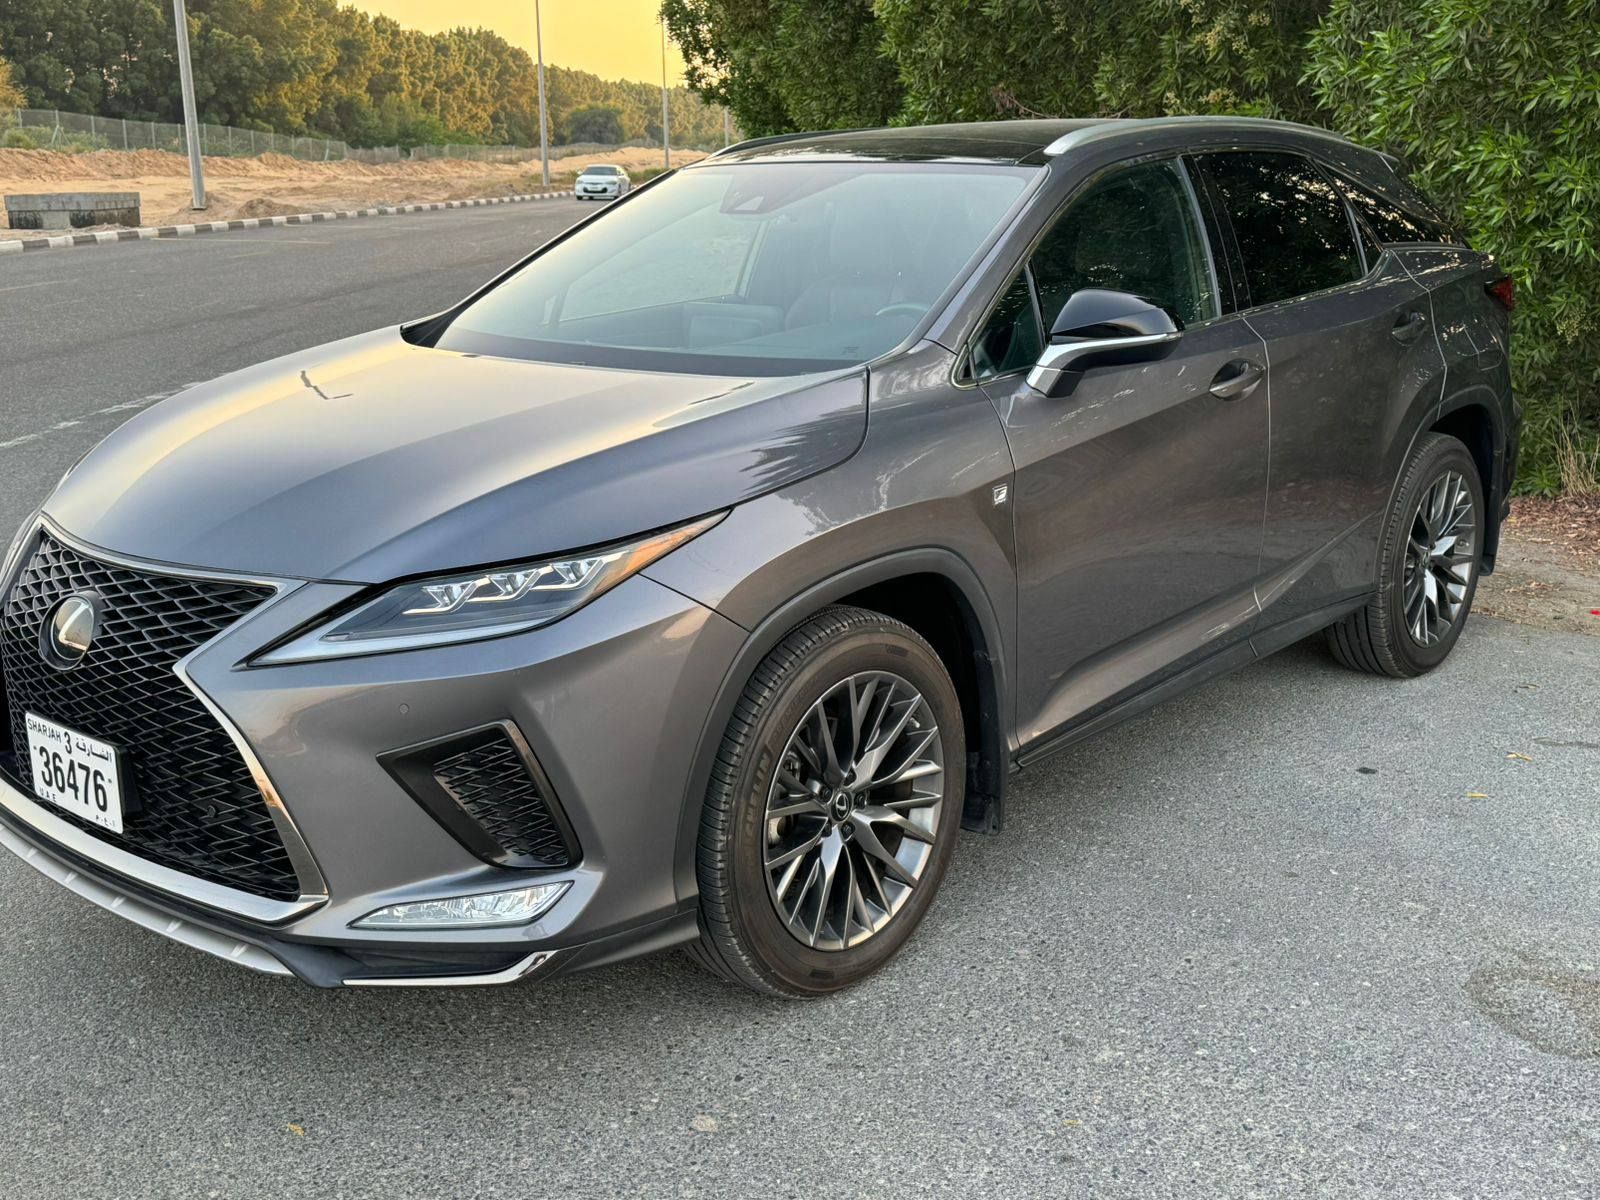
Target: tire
[(841, 660), (1381, 638)]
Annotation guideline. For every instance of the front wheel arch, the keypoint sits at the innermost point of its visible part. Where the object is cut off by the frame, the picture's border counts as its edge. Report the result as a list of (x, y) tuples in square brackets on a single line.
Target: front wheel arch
[(989, 755)]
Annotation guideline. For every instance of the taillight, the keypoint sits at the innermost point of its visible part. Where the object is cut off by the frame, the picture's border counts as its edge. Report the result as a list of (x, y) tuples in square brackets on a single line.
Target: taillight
[(1503, 290)]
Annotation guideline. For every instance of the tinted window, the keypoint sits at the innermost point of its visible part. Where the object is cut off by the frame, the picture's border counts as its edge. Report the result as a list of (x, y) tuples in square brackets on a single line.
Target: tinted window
[(1010, 341), (749, 268), (1291, 225), (1134, 231), (1391, 224)]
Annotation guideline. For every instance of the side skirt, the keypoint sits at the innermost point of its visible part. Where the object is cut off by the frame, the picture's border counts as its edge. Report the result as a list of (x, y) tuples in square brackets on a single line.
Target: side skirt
[(1286, 633), (1241, 654)]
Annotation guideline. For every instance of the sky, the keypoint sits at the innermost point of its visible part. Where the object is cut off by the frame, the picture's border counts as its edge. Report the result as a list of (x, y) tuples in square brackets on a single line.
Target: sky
[(615, 39)]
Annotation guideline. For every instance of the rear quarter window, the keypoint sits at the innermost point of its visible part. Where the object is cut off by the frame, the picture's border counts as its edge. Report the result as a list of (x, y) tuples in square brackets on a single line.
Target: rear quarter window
[(1293, 231), (1393, 224)]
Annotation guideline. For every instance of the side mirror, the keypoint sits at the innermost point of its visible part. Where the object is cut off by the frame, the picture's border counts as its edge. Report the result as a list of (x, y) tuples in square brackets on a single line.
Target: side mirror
[(1098, 328)]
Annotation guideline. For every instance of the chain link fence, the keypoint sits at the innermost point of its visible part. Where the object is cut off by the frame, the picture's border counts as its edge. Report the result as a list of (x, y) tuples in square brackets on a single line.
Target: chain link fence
[(48, 129), (509, 154), (76, 133)]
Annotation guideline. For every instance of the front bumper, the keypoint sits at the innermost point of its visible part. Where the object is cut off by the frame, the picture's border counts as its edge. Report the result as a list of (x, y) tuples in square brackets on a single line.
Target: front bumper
[(611, 702), (261, 950)]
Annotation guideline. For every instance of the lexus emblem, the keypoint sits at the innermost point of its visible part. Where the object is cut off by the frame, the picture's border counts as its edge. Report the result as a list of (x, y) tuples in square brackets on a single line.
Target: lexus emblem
[(71, 631)]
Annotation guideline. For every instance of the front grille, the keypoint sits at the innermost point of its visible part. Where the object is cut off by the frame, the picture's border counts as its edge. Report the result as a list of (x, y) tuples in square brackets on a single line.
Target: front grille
[(491, 783), (190, 802)]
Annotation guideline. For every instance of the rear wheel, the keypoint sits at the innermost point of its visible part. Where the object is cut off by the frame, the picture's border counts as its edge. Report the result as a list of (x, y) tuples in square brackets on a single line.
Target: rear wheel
[(833, 807), (1428, 574)]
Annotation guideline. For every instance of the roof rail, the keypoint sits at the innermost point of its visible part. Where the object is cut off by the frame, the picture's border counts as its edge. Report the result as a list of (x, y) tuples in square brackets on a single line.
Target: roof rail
[(1113, 126), (779, 138)]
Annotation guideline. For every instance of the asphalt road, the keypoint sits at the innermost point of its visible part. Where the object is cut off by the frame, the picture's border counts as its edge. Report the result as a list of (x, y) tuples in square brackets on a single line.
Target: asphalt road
[(88, 335), (1302, 933)]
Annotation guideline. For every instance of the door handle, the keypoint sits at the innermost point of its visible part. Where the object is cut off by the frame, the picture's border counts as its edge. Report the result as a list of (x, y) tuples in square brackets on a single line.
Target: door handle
[(1409, 327), (1237, 379)]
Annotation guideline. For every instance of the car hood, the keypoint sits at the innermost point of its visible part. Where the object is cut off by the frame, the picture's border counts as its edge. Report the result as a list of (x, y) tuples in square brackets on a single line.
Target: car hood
[(371, 459)]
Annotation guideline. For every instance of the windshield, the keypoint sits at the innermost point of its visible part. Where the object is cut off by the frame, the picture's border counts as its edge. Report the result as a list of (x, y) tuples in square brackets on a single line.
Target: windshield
[(749, 269)]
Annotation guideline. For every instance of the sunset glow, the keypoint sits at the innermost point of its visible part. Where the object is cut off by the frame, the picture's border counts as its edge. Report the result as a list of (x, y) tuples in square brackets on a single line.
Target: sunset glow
[(615, 39)]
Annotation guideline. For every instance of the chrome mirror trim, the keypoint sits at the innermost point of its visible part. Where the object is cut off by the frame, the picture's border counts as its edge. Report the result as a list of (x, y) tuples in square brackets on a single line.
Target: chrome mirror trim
[(1058, 358)]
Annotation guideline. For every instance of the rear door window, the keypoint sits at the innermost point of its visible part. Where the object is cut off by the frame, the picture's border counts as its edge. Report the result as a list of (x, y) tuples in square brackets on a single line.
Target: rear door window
[(1290, 223)]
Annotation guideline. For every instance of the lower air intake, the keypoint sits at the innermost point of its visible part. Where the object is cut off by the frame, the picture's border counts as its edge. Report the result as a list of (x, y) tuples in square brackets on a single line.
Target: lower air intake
[(485, 788)]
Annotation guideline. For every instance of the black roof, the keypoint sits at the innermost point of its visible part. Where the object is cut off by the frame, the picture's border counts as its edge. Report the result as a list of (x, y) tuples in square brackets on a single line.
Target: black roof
[(1009, 142), (979, 141)]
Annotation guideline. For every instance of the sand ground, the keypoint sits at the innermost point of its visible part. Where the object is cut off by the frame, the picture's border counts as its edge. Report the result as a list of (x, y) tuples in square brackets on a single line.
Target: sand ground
[(275, 184)]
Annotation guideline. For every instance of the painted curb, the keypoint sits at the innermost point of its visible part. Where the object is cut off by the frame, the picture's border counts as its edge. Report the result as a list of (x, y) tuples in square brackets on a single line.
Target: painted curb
[(67, 241)]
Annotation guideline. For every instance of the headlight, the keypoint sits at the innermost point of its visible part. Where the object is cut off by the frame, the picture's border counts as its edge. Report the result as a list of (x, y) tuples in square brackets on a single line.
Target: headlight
[(481, 604)]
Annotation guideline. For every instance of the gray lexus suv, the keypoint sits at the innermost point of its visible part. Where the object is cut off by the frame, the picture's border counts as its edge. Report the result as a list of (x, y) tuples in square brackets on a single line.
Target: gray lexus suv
[(697, 579)]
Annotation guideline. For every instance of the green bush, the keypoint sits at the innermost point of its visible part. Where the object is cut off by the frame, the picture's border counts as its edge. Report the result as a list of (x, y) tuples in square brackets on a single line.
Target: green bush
[(17, 139), (965, 61), (1495, 104), (80, 143)]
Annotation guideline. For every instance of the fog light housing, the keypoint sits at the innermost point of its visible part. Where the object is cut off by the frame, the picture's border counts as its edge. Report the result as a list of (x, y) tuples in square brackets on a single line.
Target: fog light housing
[(485, 910)]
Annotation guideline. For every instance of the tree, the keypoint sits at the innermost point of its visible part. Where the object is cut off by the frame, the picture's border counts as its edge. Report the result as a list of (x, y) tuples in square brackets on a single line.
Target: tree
[(312, 67), (108, 57), (965, 61), (10, 94), (1495, 104), (782, 65), (593, 123)]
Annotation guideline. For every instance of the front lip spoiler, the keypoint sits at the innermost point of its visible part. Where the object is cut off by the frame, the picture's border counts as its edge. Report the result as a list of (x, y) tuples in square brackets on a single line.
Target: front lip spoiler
[(534, 964), (320, 966), (197, 936)]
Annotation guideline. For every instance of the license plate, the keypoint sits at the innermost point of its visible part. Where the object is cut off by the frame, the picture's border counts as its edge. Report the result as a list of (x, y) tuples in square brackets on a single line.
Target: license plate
[(75, 772)]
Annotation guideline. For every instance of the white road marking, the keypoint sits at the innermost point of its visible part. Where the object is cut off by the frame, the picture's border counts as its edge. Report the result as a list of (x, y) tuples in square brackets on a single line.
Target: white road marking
[(73, 422)]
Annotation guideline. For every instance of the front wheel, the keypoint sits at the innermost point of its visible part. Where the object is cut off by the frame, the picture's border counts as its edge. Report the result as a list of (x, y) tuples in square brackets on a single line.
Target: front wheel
[(1428, 573), (833, 807)]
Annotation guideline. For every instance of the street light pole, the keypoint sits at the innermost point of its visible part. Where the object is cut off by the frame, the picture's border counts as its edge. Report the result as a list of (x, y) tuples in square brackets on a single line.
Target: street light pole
[(544, 134), (191, 123), (666, 137)]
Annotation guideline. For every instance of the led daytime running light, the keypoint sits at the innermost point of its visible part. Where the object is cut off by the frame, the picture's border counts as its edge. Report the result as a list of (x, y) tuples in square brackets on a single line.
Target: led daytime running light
[(501, 586)]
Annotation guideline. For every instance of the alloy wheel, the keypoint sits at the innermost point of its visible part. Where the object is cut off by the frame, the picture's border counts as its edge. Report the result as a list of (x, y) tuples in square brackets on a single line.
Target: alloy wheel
[(1441, 556), (853, 810)]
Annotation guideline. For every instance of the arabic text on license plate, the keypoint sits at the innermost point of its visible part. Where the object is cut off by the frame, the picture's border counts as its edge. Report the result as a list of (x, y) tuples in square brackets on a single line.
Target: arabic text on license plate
[(75, 772)]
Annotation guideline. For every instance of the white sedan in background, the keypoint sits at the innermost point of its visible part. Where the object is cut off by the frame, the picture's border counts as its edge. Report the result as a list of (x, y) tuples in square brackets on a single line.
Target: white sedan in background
[(600, 183)]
